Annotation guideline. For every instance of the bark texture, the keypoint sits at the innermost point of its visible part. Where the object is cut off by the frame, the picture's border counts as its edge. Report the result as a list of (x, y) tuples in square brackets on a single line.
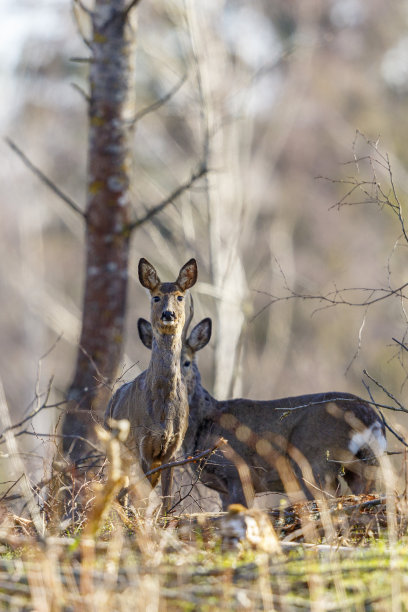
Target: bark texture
[(111, 110)]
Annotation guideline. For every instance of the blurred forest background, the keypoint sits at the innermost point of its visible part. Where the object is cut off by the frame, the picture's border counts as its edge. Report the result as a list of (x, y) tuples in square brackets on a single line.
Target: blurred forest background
[(277, 90)]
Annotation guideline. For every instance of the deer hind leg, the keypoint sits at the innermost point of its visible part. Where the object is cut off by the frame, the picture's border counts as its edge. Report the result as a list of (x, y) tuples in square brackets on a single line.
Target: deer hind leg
[(236, 493), (317, 481)]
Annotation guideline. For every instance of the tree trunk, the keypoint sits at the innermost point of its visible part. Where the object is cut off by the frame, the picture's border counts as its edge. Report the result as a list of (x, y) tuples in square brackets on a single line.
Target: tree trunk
[(111, 110)]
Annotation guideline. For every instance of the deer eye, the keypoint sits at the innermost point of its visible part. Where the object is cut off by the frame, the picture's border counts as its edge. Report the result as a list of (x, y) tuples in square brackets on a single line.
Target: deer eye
[(180, 298), (156, 298), (186, 364)]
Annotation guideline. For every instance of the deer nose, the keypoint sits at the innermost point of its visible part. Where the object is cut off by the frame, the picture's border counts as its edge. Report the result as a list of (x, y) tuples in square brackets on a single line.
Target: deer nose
[(168, 315)]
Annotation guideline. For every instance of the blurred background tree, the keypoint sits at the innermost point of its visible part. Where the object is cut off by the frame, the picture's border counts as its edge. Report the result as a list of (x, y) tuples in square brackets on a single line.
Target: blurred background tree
[(275, 91)]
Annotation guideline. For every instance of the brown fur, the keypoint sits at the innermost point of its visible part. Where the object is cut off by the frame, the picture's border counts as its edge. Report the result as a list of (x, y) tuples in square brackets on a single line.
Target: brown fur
[(156, 403), (293, 444)]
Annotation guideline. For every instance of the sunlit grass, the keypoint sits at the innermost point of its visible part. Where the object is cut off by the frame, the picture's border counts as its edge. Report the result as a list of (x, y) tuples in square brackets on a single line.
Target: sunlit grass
[(198, 574)]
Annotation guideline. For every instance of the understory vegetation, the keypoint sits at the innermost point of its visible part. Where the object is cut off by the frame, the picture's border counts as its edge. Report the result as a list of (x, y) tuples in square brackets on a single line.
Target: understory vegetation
[(190, 562)]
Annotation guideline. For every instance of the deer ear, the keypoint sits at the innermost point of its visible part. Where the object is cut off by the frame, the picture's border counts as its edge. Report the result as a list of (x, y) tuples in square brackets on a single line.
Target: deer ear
[(187, 275), (200, 335), (145, 332), (148, 275)]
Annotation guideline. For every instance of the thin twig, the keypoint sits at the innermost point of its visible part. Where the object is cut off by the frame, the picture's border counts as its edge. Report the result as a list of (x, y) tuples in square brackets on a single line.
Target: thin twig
[(385, 423), (17, 466), (131, 6), (32, 415), (183, 497), (394, 433), (81, 91), (336, 297), (15, 482), (156, 105), (178, 463), (26, 432), (192, 459), (202, 170), (401, 344), (388, 393), (84, 8), (44, 178), (81, 60)]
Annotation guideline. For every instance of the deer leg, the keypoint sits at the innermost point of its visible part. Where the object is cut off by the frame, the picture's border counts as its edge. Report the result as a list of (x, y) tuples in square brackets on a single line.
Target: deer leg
[(236, 494), (357, 483), (154, 478), (167, 481)]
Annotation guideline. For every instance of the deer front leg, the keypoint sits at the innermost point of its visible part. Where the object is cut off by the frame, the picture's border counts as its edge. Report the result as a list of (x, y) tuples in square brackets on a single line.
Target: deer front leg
[(154, 478), (167, 482)]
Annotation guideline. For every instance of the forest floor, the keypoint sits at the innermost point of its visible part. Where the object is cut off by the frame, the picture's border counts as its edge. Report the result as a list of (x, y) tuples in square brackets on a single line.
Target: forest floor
[(349, 554)]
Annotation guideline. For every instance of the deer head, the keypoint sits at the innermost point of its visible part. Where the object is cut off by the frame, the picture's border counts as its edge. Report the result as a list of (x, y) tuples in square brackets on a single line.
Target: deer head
[(167, 299)]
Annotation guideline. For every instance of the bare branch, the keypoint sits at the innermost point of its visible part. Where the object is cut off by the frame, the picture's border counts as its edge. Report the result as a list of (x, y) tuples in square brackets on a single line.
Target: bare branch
[(17, 466), (401, 408), (336, 297), (130, 7), (31, 416), (372, 189), (181, 498), (81, 91), (11, 487), (178, 463), (391, 430), (83, 7), (386, 424), (202, 170), (401, 344), (192, 459), (156, 105), (27, 432), (81, 60), (360, 335), (44, 178)]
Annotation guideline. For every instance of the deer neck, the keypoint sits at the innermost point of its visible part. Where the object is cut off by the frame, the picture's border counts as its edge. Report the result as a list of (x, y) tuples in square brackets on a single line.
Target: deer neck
[(163, 374)]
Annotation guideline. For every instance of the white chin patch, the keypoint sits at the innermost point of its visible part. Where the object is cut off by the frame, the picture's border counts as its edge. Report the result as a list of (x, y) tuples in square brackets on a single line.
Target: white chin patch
[(372, 437), (168, 323)]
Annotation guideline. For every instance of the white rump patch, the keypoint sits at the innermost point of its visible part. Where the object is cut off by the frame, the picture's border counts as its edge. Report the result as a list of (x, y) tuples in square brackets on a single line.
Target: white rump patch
[(372, 437)]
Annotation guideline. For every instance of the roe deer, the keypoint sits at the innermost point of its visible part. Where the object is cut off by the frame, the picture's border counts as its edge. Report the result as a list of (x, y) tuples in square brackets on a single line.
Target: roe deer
[(156, 402), (292, 444)]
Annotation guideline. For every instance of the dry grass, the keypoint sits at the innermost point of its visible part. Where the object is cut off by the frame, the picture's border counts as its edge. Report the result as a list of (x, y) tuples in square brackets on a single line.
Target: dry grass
[(348, 553), (122, 559)]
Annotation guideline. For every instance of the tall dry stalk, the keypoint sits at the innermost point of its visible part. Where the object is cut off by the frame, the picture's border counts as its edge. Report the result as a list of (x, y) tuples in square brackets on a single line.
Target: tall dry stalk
[(224, 196)]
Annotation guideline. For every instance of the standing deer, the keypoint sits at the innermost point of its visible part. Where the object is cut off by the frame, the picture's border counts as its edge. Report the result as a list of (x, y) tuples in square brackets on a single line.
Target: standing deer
[(156, 402), (291, 444)]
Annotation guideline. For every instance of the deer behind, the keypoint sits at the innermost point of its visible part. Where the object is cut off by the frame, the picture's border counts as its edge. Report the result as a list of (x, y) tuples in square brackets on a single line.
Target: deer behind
[(291, 444), (156, 402)]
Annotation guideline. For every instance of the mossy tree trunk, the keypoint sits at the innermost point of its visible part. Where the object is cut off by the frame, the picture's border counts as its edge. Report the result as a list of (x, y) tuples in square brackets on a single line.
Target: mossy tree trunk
[(111, 110)]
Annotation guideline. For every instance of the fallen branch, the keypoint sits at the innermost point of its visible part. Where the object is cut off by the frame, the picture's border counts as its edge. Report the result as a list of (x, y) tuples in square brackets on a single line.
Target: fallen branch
[(334, 512)]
